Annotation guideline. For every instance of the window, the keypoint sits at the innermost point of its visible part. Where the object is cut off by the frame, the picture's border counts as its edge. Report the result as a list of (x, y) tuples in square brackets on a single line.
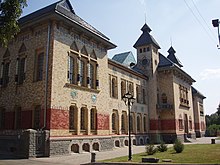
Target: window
[(93, 119), (180, 124), (83, 72), (18, 118), (144, 49), (132, 123), (73, 118), (113, 86), (164, 98), (122, 122), (20, 70), (145, 124), (201, 110), (183, 96), (2, 118), (144, 96), (5, 73), (131, 88), (140, 50), (37, 111), (113, 122), (138, 94), (123, 88), (138, 123), (190, 124), (93, 75), (148, 49), (73, 69), (83, 117), (39, 67)]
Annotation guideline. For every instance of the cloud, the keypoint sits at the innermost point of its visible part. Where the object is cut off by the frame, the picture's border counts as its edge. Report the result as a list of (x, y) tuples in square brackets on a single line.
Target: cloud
[(208, 74)]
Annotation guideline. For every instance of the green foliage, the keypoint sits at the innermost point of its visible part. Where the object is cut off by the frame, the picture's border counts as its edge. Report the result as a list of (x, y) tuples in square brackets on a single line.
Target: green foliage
[(150, 149), (212, 130), (162, 147), (178, 146), (10, 12)]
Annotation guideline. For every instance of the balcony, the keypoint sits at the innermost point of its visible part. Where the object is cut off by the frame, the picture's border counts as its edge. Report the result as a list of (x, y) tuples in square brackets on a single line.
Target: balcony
[(164, 106)]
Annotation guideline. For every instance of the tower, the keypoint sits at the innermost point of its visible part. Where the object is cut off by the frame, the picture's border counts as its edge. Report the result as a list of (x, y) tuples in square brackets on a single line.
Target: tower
[(147, 63)]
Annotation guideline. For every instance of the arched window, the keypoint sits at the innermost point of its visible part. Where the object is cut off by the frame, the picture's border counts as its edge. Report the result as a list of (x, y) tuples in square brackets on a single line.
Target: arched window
[(145, 124), (138, 123), (123, 88), (93, 119), (83, 117), (73, 118), (113, 122)]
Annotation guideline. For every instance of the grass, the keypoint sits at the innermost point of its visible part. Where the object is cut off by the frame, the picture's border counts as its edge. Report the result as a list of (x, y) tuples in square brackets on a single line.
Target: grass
[(195, 153)]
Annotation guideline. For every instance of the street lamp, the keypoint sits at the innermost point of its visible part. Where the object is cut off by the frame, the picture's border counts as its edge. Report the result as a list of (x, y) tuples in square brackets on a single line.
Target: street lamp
[(129, 100), (215, 23)]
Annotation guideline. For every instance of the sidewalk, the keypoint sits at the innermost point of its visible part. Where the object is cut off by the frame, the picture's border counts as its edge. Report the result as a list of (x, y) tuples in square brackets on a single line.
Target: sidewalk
[(77, 159)]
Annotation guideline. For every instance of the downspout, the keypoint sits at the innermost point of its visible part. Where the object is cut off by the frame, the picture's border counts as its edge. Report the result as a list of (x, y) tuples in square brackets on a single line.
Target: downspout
[(46, 77)]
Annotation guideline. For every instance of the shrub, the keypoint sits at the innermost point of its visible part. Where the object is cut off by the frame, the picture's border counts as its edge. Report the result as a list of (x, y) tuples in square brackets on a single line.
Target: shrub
[(162, 147), (150, 149), (178, 146)]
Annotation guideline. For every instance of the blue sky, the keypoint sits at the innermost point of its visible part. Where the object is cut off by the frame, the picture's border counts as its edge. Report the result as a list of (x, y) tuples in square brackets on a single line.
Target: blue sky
[(172, 21)]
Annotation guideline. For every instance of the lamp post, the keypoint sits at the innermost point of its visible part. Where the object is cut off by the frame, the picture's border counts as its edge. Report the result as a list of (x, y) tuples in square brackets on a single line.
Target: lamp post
[(129, 100), (215, 23)]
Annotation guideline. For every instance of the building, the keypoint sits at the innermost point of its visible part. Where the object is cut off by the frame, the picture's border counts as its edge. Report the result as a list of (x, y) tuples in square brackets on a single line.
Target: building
[(60, 93)]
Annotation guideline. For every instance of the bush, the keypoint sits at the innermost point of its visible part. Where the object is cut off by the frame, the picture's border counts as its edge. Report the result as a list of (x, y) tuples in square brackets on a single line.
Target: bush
[(150, 149), (178, 146), (162, 147)]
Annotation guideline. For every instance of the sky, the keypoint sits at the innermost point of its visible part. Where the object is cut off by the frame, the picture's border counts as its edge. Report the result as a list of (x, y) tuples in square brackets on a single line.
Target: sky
[(184, 24)]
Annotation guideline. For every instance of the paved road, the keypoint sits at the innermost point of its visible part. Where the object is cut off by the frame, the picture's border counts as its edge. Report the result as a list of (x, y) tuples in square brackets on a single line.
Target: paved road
[(77, 159)]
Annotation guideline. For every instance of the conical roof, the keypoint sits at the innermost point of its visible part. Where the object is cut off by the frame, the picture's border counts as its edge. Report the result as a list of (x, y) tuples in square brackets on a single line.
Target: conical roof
[(146, 38), (173, 57)]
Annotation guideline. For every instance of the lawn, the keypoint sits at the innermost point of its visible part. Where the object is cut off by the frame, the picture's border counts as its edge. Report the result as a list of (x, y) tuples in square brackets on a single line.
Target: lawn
[(195, 153)]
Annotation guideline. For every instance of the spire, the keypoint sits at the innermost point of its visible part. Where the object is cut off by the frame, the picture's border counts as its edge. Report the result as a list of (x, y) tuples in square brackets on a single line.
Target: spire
[(173, 57), (146, 38)]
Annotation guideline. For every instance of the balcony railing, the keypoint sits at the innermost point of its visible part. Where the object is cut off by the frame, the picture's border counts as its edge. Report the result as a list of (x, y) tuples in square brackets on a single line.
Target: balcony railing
[(164, 106)]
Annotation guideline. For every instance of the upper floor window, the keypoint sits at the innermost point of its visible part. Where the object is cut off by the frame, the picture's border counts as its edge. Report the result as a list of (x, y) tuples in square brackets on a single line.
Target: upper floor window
[(39, 67), (164, 98), (131, 88), (144, 96), (20, 70), (123, 88), (5, 73), (138, 97), (183, 95), (113, 86), (83, 72), (73, 68), (93, 75)]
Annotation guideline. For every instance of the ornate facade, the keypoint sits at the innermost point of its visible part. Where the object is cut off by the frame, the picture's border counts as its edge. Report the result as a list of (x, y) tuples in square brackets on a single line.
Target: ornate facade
[(56, 76)]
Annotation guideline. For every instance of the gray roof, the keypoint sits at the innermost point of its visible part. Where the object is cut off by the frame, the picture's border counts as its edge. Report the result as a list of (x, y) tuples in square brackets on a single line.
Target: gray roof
[(125, 58), (146, 38), (196, 92), (62, 8), (173, 57)]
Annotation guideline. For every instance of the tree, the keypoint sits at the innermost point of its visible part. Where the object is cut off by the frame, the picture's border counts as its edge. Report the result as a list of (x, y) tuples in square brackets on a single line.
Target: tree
[(10, 11)]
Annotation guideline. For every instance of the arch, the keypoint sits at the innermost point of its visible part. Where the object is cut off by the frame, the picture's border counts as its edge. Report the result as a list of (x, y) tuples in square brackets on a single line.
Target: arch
[(126, 142), (93, 55), (134, 142), (141, 141), (22, 48), (7, 54), (117, 143), (74, 47), (84, 51), (75, 148), (86, 147), (95, 146)]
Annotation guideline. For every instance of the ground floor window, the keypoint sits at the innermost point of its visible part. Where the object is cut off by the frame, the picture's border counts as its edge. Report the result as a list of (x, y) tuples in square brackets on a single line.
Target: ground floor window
[(37, 111)]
